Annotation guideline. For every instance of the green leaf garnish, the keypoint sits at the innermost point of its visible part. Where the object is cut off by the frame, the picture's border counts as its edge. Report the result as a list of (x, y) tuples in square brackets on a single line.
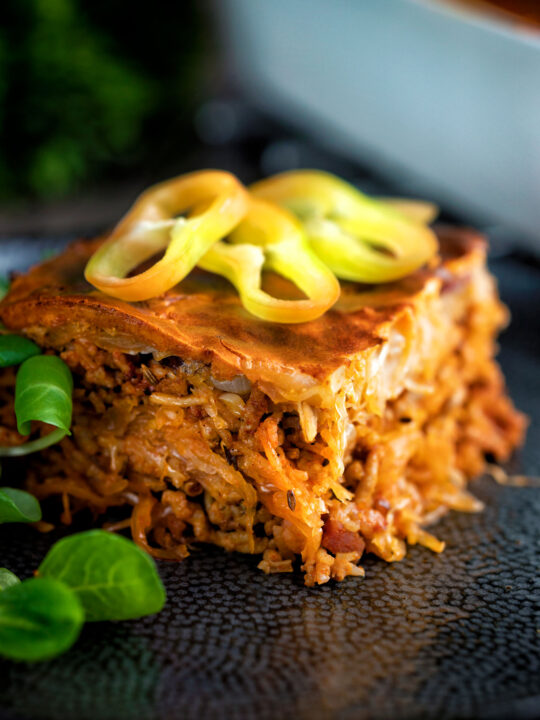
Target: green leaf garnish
[(113, 578), (39, 619), (4, 286), (7, 579), (43, 392), (15, 349), (33, 445), (48, 254), (18, 506)]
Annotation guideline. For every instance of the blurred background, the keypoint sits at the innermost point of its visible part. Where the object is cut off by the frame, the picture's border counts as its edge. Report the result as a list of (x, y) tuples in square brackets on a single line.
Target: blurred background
[(434, 98)]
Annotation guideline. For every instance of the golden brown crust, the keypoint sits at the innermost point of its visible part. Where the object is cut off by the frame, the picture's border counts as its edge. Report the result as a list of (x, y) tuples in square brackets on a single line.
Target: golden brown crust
[(203, 319)]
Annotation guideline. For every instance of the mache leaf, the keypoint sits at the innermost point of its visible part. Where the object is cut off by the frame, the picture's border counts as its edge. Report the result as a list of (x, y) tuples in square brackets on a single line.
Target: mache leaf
[(113, 578), (7, 579), (4, 286), (43, 392), (18, 506), (15, 349), (33, 445), (39, 619)]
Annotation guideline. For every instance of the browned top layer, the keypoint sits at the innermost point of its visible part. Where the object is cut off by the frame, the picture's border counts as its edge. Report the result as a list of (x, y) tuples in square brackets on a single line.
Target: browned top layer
[(202, 317)]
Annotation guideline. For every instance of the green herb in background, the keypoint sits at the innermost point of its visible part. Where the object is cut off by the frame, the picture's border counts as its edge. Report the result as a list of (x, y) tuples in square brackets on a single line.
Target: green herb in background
[(39, 619), (7, 579), (15, 349), (18, 506), (113, 578), (83, 95)]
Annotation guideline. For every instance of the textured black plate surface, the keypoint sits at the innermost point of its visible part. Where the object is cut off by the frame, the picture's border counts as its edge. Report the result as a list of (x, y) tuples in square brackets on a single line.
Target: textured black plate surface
[(449, 636)]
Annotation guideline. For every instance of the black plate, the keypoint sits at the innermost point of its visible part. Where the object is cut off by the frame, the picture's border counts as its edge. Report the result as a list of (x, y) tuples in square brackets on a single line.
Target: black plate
[(449, 636)]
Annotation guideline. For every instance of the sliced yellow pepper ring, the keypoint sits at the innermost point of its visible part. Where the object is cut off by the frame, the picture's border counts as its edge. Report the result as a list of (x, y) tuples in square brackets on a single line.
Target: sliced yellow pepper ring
[(359, 238), (152, 226), (420, 211), (270, 238)]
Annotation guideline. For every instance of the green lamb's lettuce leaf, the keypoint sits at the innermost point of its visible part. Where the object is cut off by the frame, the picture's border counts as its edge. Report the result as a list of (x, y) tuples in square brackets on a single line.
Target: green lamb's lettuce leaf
[(15, 349), (7, 579), (90, 576), (39, 619), (43, 392), (113, 578), (4, 286), (33, 445), (18, 506)]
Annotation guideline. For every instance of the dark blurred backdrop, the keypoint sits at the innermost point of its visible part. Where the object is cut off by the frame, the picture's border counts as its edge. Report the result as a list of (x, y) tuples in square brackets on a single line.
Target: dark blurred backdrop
[(94, 93)]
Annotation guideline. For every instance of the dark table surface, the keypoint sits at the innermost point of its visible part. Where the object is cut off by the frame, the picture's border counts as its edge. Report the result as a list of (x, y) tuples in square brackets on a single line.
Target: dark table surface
[(455, 635)]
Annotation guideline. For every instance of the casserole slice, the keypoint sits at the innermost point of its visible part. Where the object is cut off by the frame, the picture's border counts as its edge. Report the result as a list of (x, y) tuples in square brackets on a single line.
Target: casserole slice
[(324, 440)]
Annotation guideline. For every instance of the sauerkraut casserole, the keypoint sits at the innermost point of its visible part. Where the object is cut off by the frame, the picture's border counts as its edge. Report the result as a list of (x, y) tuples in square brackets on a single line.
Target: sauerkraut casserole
[(348, 434)]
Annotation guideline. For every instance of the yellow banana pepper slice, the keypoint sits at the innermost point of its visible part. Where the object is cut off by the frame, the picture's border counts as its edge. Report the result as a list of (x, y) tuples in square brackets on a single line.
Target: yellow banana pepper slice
[(420, 211), (270, 238), (152, 225), (359, 238)]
